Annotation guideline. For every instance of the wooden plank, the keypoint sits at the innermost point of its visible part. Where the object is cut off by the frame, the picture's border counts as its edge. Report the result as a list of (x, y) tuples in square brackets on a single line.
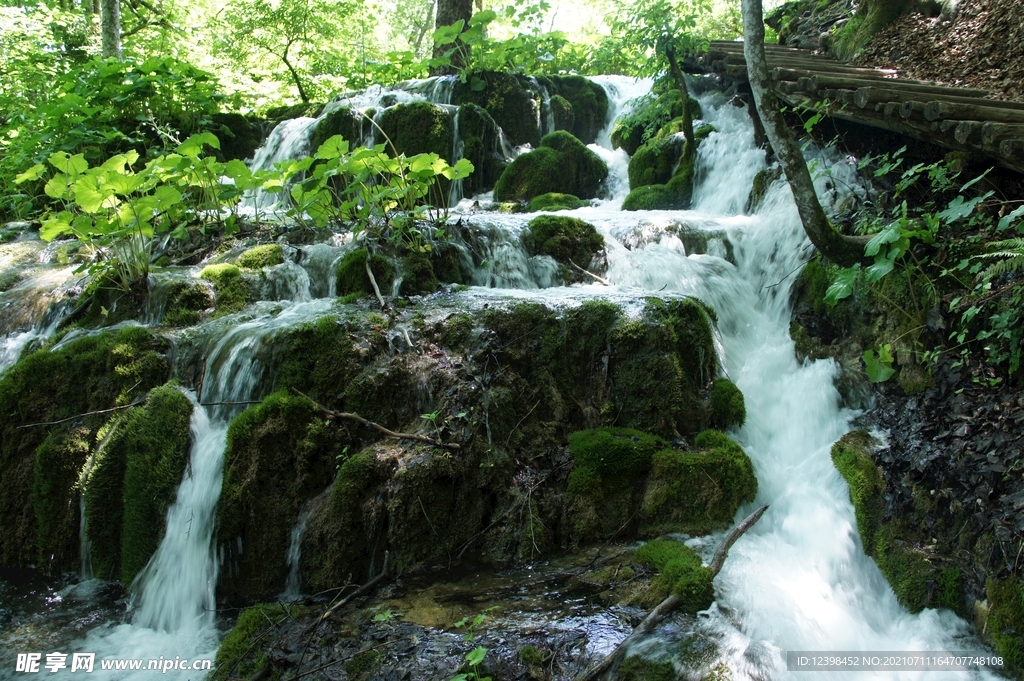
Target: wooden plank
[(968, 132), (870, 95), (857, 82), (994, 133), (988, 110)]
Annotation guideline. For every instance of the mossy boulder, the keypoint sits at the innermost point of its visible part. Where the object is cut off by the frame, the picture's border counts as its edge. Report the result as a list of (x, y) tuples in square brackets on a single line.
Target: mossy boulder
[(698, 491), (554, 201), (655, 162), (238, 656), (40, 466), (186, 301), (680, 572), (652, 114), (727, 407), (232, 291), (263, 490), (352, 276), (510, 104), (568, 240), (562, 164), (588, 104), (342, 121), (418, 276), (479, 134), (637, 668), (418, 128), (240, 136), (133, 481), (258, 257), (285, 112), (676, 194), (561, 112), (911, 573)]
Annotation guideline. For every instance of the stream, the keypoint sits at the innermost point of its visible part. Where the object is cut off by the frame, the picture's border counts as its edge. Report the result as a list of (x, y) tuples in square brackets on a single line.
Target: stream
[(798, 581)]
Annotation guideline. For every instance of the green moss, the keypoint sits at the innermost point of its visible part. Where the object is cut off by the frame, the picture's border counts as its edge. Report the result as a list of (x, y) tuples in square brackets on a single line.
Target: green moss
[(950, 591), (232, 291), (1006, 621), (587, 101), (636, 668), (457, 329), (363, 664), (352, 277), (88, 375), (481, 147), (697, 492), (561, 164), (318, 358), (907, 571), (727, 407), (561, 111), (531, 655), (185, 302), (680, 572), (613, 454), (418, 128), (554, 201), (258, 257), (279, 453), (655, 197), (507, 101), (344, 122), (238, 656), (417, 275), (851, 457), (567, 240), (155, 445), (655, 162)]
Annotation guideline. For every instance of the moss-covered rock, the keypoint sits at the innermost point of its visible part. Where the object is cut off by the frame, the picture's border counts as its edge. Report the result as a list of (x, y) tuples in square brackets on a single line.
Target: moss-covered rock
[(418, 276), (588, 103), (279, 454), (186, 301), (352, 276), (239, 135), (653, 114), (232, 292), (637, 668), (479, 134), (561, 112), (698, 491), (418, 128), (676, 194), (40, 466), (554, 202), (727, 407), (567, 240), (508, 102), (655, 162), (277, 114), (680, 572), (264, 255), (344, 122), (562, 164), (1005, 621), (238, 656)]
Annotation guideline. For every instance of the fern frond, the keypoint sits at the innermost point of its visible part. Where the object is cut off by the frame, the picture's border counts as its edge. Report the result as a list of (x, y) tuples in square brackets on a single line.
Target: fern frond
[(1015, 244), (1014, 264)]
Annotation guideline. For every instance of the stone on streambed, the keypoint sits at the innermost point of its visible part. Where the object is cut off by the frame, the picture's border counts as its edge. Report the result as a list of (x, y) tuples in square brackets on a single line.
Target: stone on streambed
[(562, 164), (570, 241), (417, 128), (661, 173), (508, 382)]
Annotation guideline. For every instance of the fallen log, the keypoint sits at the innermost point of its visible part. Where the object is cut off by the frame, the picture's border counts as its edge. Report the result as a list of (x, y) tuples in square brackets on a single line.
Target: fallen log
[(909, 109), (968, 132), (671, 602), (870, 94), (994, 133), (986, 110)]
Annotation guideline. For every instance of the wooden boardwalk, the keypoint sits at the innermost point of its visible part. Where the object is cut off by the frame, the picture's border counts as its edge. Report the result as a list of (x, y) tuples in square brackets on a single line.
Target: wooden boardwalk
[(963, 119)]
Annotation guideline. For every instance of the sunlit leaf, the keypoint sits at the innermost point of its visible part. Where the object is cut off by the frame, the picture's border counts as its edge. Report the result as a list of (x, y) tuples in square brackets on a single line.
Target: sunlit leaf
[(193, 146), (842, 285), (33, 173)]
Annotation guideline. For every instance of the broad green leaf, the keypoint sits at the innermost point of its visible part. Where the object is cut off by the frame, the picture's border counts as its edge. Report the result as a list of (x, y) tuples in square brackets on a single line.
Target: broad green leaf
[(122, 184), (889, 234), (90, 197), (166, 197), (193, 146), (58, 187), (959, 208), (882, 266), (33, 173), (83, 227), (68, 164), (55, 225), (476, 656), (842, 285), (333, 147), (1007, 220), (237, 170), (879, 367)]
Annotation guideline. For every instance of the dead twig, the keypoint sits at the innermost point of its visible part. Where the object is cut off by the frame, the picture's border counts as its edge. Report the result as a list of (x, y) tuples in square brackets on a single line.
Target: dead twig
[(134, 403), (671, 603), (373, 281), (331, 414), (590, 274)]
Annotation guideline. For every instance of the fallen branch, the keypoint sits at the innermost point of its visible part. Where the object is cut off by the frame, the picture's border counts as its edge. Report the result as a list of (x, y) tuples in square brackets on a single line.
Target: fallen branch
[(589, 273), (331, 414), (670, 603), (373, 281), (88, 413)]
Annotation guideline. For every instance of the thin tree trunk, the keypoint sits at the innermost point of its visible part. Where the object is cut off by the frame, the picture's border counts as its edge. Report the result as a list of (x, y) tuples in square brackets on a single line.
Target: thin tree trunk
[(838, 247), (424, 27), (677, 74), (110, 28), (295, 75)]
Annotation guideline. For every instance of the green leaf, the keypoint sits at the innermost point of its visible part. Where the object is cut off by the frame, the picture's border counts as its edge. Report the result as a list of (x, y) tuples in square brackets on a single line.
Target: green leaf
[(166, 197), (1006, 220), (882, 266), (58, 187), (842, 285), (334, 147), (55, 225), (193, 146), (892, 232), (33, 173), (91, 198), (476, 656), (879, 367), (959, 208), (67, 164)]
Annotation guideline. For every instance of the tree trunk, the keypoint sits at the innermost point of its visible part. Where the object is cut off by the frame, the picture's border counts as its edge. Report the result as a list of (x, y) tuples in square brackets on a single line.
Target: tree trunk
[(295, 75), (110, 28), (677, 74), (832, 244), (448, 12)]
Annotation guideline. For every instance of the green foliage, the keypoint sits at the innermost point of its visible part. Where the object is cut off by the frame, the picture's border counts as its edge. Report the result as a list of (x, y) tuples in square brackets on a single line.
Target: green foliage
[(657, 28), (610, 454), (727, 407), (637, 668), (851, 457), (352, 277), (1006, 620), (258, 257), (879, 367), (680, 572)]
